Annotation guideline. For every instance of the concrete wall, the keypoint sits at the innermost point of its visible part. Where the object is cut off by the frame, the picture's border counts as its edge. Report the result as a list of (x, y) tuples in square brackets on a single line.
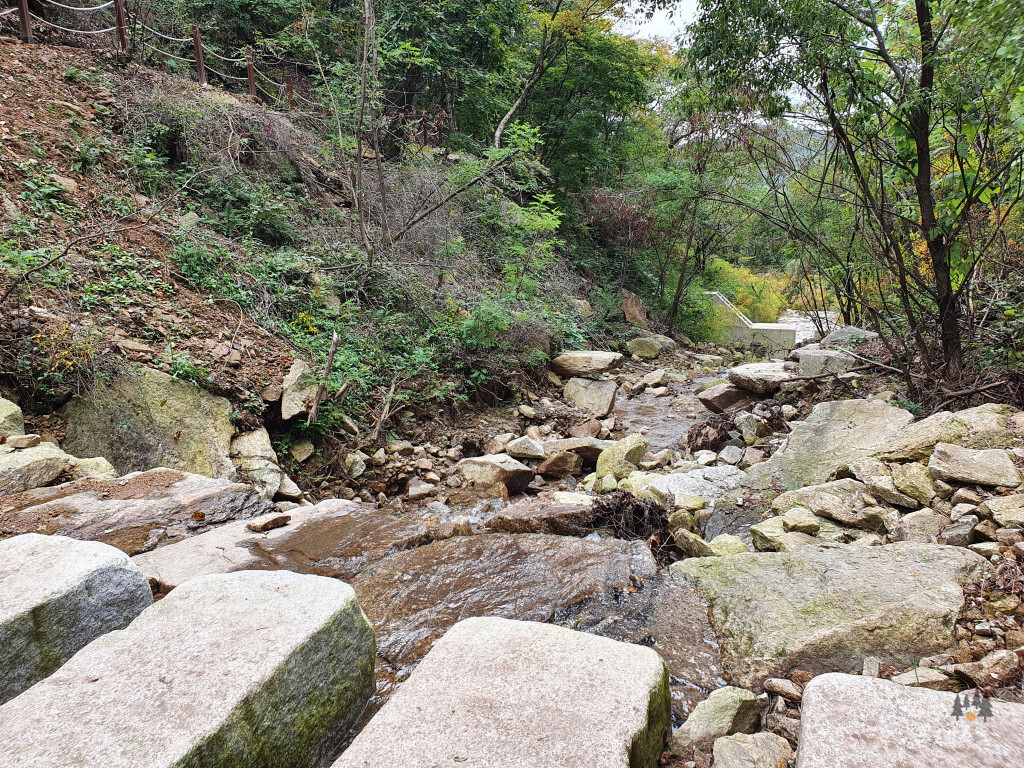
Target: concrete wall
[(774, 336)]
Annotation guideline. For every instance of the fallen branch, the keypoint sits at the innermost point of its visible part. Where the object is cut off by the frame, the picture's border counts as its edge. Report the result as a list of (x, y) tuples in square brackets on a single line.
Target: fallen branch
[(322, 389), (965, 392)]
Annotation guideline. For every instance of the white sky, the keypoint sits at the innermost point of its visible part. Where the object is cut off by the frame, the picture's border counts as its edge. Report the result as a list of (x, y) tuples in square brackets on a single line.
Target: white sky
[(661, 26)]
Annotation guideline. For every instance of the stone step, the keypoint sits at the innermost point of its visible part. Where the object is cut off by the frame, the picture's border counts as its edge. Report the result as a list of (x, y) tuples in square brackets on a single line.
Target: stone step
[(252, 669), (517, 694), (57, 595), (850, 721)]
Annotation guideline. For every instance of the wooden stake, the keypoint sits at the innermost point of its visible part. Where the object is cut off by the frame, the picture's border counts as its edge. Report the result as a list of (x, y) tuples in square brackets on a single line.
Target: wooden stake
[(197, 42), (26, 22), (289, 91), (122, 35), (251, 70)]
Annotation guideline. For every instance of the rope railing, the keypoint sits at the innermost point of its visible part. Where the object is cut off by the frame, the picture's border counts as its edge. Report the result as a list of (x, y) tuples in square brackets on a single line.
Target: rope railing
[(73, 31), (121, 27), (83, 9)]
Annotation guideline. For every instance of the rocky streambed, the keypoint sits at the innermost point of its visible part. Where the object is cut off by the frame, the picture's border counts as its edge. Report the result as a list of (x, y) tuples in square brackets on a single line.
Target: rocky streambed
[(754, 544)]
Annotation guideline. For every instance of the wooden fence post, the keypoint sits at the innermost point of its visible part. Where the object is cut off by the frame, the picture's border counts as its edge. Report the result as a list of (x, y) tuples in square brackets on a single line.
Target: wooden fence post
[(122, 36), (251, 71), (197, 42), (26, 21), (290, 91)]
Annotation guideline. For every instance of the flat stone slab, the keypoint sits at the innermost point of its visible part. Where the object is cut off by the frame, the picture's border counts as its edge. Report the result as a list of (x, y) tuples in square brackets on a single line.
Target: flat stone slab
[(588, 363), (835, 435), (824, 608), (541, 516), (252, 669), (133, 513), (522, 695), (56, 596), (710, 483), (760, 378), (850, 721), (334, 538)]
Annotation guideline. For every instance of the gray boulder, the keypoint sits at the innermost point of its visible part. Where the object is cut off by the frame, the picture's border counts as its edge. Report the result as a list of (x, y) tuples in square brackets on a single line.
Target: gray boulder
[(815, 362), (840, 727), (28, 468), (710, 483), (726, 711), (827, 608), (965, 465), (11, 420), (596, 396), (488, 471), (298, 390), (150, 419), (589, 363), (133, 513), (755, 750), (761, 378), (56, 596), (495, 692), (253, 669), (981, 427), (833, 436), (847, 335), (256, 462)]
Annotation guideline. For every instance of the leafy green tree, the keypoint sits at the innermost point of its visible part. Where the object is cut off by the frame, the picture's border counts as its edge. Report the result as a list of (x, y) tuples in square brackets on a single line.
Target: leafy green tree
[(919, 108)]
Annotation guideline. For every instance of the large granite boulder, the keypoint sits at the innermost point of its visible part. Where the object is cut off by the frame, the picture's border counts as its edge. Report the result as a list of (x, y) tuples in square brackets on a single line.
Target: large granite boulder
[(488, 471), (56, 596), (251, 669), (150, 419), (833, 436), (966, 465), (847, 336), (644, 347), (496, 692), (12, 421), (541, 516), (589, 363), (852, 721), (256, 462), (817, 362), (133, 513), (299, 388), (27, 468), (761, 378), (710, 483), (826, 608), (594, 395), (984, 426)]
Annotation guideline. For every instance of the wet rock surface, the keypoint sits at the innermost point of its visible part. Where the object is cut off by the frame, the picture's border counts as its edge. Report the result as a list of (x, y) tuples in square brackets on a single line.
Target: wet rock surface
[(608, 587), (133, 513)]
